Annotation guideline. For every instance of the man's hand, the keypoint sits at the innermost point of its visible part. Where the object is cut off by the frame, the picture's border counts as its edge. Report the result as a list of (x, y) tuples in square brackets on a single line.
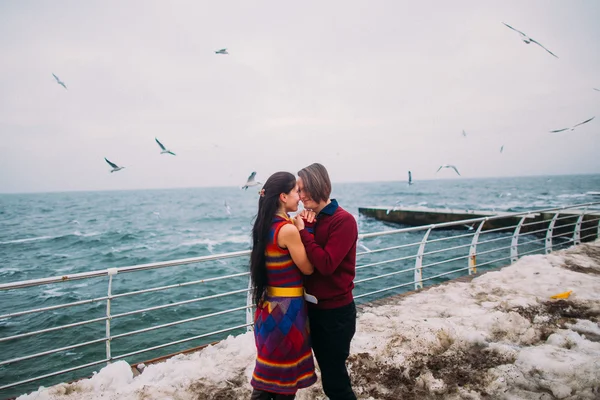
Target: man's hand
[(309, 215)]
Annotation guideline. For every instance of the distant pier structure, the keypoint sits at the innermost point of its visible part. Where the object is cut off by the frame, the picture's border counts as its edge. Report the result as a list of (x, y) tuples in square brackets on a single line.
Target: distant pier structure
[(536, 222)]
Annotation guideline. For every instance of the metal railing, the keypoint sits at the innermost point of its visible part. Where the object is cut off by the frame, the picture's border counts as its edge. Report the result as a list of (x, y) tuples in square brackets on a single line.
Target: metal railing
[(446, 262)]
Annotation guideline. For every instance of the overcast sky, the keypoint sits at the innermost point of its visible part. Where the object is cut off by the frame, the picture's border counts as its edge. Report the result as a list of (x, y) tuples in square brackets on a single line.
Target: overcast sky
[(369, 89)]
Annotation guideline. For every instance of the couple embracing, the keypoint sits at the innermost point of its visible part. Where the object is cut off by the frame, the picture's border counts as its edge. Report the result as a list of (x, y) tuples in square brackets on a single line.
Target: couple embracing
[(302, 270)]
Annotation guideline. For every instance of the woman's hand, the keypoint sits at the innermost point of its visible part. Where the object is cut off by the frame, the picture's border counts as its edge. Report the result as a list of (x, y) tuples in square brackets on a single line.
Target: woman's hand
[(299, 222)]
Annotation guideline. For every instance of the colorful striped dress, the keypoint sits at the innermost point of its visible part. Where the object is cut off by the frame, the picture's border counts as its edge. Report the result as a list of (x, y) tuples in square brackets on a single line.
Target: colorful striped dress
[(284, 361)]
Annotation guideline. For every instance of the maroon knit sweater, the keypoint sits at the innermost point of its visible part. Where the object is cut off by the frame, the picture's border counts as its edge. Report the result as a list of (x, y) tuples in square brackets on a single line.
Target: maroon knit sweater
[(332, 251)]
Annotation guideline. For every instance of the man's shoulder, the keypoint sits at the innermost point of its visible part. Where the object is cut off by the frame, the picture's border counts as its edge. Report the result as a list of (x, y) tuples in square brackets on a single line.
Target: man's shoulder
[(341, 214)]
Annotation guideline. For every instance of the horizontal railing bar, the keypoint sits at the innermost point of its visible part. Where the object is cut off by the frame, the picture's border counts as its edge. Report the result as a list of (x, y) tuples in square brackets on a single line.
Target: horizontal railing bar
[(56, 307), (577, 216), (384, 275), (389, 248), (572, 216), (531, 241), (588, 236), (462, 246), (56, 328), (563, 234), (446, 273), (180, 341), (449, 238), (183, 321), (104, 272), (589, 228), (385, 262), (509, 236), (64, 371), (214, 296), (565, 225), (567, 217), (176, 285), (542, 250), (384, 290), (533, 232), (446, 261), (505, 228), (45, 353), (493, 261), (478, 253)]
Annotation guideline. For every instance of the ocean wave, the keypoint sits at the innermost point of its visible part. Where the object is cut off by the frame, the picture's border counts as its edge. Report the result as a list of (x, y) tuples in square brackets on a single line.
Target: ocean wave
[(27, 240), (571, 196), (54, 237)]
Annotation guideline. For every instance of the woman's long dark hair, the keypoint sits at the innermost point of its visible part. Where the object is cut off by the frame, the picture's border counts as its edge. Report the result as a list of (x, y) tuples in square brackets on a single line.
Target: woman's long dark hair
[(268, 204)]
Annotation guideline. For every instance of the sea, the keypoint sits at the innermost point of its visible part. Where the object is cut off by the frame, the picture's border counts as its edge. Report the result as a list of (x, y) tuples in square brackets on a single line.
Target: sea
[(54, 234)]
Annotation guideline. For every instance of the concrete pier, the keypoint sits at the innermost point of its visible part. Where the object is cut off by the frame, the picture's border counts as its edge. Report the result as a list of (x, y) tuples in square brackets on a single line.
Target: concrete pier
[(536, 222)]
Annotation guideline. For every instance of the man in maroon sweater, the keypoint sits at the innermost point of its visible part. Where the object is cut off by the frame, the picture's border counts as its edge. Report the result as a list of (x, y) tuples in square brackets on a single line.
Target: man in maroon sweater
[(331, 248)]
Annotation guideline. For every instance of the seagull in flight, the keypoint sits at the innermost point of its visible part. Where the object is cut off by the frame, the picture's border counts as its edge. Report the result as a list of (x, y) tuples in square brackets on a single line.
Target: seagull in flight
[(61, 83), (227, 208), (410, 182), (251, 181), (114, 166), (528, 40), (573, 127), (464, 133), (163, 148), (598, 90), (399, 202), (501, 148), (222, 51), (448, 166)]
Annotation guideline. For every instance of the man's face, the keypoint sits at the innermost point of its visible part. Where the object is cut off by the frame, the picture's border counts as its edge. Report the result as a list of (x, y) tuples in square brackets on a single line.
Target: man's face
[(309, 204)]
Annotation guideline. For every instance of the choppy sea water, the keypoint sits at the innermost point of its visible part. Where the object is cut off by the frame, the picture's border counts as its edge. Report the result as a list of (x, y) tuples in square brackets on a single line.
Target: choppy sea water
[(63, 233)]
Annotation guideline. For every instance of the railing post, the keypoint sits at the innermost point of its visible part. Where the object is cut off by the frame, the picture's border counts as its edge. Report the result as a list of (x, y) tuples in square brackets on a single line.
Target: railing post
[(419, 260), (549, 233), (514, 251), (249, 305), (473, 249), (577, 231), (111, 273)]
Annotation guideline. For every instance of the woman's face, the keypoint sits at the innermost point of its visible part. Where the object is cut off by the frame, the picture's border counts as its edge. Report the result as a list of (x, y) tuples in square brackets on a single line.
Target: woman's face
[(292, 199)]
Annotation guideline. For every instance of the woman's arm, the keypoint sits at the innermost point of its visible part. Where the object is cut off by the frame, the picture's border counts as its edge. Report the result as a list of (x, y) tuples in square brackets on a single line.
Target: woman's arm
[(289, 238)]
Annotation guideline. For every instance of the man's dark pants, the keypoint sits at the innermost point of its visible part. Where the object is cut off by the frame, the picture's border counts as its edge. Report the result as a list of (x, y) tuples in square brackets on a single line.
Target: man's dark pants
[(331, 333)]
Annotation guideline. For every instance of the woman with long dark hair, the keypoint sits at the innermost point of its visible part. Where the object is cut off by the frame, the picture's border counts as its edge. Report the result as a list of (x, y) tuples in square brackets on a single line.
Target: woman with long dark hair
[(284, 361)]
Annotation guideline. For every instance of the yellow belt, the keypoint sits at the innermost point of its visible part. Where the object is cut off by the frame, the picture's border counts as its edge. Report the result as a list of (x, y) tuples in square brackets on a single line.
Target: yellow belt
[(285, 291)]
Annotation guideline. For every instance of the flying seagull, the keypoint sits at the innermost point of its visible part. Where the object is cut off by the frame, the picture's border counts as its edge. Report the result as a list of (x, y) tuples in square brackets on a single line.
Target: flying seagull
[(573, 127), (448, 166), (410, 182), (61, 83), (464, 133), (596, 89), (501, 148), (114, 166), (251, 181), (222, 51), (227, 208), (528, 40), (399, 202), (163, 149)]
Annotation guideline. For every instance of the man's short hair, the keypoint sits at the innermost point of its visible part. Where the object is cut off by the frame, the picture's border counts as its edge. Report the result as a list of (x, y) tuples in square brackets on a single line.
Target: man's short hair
[(316, 182)]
